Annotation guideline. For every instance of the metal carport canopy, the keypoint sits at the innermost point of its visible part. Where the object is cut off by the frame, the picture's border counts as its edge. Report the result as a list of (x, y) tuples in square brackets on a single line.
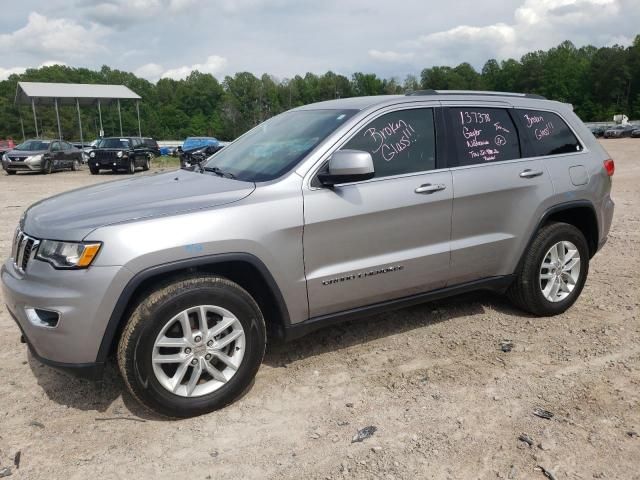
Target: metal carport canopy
[(43, 93)]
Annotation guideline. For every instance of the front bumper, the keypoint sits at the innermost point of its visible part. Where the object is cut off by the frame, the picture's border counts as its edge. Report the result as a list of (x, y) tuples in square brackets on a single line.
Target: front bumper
[(84, 300), (25, 166), (108, 163)]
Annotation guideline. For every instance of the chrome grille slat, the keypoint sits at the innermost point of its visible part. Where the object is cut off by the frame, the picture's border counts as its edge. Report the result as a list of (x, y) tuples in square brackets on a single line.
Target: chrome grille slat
[(24, 250)]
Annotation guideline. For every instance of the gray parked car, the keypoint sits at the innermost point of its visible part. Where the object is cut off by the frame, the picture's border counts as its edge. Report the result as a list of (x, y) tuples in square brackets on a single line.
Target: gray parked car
[(40, 155), (327, 212)]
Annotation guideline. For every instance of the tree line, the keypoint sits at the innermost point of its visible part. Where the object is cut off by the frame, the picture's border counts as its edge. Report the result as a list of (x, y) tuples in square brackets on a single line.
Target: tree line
[(599, 82)]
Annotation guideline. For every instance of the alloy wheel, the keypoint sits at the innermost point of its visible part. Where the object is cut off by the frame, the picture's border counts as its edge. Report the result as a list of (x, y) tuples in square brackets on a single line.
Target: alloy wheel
[(560, 271), (198, 351)]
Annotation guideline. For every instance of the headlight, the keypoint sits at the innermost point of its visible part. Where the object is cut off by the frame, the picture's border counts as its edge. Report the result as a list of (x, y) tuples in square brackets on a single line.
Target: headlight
[(5, 158), (35, 158), (67, 254), (92, 154), (119, 154)]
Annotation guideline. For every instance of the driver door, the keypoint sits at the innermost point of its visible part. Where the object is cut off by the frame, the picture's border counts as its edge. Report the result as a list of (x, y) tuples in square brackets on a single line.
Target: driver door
[(385, 238)]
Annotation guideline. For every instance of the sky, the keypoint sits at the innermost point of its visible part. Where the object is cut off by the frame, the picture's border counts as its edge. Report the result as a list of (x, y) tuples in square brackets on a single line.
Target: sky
[(170, 38)]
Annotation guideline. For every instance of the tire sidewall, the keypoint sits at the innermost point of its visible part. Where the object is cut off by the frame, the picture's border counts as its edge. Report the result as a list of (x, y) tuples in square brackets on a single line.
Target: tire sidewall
[(573, 235), (132, 167), (153, 320)]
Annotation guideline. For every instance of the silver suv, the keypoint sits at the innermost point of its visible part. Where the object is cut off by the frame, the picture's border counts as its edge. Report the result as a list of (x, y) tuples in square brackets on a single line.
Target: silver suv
[(324, 213)]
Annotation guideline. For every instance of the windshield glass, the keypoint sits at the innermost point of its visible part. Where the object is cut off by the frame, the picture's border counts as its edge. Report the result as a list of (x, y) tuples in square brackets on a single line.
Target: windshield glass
[(277, 145), (113, 143), (33, 145)]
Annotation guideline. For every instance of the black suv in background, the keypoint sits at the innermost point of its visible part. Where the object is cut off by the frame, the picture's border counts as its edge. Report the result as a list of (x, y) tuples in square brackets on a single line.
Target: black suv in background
[(119, 153), (152, 145)]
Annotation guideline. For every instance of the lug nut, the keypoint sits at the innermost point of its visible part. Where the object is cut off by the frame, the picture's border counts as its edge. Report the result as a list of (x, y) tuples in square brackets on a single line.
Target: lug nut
[(198, 338), (207, 356), (194, 361), (210, 343), (187, 351)]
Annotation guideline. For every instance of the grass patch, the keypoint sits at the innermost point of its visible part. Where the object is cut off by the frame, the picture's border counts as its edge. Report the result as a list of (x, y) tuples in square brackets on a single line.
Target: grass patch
[(165, 161)]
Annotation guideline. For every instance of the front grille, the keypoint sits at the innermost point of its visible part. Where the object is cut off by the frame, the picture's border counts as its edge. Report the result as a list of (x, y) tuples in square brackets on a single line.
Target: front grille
[(17, 159), (23, 250), (106, 155)]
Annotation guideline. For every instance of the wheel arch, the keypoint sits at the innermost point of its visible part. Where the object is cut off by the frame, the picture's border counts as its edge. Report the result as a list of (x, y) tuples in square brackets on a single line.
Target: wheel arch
[(245, 269), (580, 213)]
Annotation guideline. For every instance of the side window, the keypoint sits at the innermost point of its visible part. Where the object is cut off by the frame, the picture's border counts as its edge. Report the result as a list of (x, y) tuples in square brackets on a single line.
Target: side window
[(483, 135), (548, 134), (399, 142), (55, 147)]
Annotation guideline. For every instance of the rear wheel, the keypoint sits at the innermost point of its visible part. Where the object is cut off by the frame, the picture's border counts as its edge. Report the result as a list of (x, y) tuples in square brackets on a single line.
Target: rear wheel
[(131, 167), (553, 272), (192, 346)]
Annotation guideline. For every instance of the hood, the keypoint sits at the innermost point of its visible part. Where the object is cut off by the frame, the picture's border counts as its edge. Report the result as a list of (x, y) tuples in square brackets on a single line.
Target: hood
[(25, 153), (73, 215)]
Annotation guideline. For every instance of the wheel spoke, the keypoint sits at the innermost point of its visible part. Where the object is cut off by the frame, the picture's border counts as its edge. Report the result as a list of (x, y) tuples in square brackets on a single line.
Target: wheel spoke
[(554, 253), (176, 380), (186, 325), (226, 359), (172, 342), (571, 253), (553, 293), (571, 264), (546, 276), (202, 320), (226, 340), (172, 358), (195, 377), (221, 326), (215, 373)]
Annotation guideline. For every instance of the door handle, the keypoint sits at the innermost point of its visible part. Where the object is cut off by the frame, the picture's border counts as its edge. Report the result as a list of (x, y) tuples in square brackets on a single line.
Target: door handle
[(429, 188), (528, 173)]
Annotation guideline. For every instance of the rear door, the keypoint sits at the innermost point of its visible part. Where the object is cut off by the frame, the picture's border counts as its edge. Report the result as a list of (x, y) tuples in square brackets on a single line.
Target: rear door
[(384, 238), (498, 194)]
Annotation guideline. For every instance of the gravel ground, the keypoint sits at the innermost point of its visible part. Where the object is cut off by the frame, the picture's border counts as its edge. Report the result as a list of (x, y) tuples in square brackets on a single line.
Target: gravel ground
[(446, 400)]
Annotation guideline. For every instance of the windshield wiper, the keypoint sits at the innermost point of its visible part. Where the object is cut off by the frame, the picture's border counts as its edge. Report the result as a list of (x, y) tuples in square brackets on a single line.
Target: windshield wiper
[(218, 172)]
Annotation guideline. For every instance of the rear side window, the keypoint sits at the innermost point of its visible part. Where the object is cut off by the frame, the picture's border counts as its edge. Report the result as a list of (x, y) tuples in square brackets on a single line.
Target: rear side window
[(547, 133), (483, 135), (399, 142)]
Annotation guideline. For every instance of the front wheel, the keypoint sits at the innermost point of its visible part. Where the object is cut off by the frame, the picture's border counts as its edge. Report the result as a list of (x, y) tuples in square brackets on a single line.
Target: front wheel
[(192, 346), (94, 170), (553, 272), (147, 162), (10, 172), (131, 167), (47, 168), (75, 166)]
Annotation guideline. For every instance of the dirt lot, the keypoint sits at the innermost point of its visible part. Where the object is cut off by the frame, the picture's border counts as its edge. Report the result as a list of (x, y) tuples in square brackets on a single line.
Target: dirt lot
[(446, 401)]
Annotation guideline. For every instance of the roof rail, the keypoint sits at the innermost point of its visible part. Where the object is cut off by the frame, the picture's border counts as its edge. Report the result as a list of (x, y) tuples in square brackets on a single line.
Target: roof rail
[(475, 92)]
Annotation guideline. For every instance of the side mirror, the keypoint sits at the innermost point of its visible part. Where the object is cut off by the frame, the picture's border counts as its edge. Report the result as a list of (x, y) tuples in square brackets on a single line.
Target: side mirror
[(347, 166)]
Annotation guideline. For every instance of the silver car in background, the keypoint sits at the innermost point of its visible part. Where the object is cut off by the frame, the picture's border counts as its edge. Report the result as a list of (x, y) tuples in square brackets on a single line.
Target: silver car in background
[(327, 212)]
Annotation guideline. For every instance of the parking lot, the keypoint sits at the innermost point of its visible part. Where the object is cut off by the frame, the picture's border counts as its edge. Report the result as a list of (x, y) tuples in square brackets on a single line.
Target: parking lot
[(447, 401)]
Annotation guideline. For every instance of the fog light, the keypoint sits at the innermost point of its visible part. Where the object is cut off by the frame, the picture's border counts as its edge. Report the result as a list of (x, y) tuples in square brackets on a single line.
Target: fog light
[(42, 318)]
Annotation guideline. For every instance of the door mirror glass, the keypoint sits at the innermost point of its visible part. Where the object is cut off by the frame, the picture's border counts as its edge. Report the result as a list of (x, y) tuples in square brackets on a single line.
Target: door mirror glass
[(347, 166)]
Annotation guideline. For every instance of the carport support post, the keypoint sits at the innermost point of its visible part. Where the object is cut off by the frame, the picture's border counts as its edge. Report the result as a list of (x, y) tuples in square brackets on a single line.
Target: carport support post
[(119, 116), (80, 122), (100, 115), (55, 100), (21, 123), (35, 118), (138, 112)]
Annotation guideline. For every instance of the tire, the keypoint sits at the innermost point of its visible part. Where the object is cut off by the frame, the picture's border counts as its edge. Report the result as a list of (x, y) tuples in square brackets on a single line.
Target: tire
[(94, 170), (527, 292), (75, 166), (131, 168), (149, 322), (147, 162), (47, 168), (11, 172)]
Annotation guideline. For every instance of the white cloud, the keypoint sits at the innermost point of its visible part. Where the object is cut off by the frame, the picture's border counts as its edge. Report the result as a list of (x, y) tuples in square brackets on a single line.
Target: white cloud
[(59, 36), (537, 24), (6, 72), (121, 13), (153, 71), (391, 56)]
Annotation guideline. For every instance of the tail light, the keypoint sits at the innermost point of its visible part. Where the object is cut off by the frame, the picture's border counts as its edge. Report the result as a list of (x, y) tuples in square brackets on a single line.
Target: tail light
[(609, 166)]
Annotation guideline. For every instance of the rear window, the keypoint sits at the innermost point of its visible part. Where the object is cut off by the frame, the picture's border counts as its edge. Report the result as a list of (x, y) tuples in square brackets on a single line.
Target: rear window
[(547, 133), (483, 135)]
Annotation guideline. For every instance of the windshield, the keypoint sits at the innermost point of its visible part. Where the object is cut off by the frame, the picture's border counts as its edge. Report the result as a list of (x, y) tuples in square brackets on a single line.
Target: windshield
[(113, 143), (277, 145), (34, 145), (194, 142)]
